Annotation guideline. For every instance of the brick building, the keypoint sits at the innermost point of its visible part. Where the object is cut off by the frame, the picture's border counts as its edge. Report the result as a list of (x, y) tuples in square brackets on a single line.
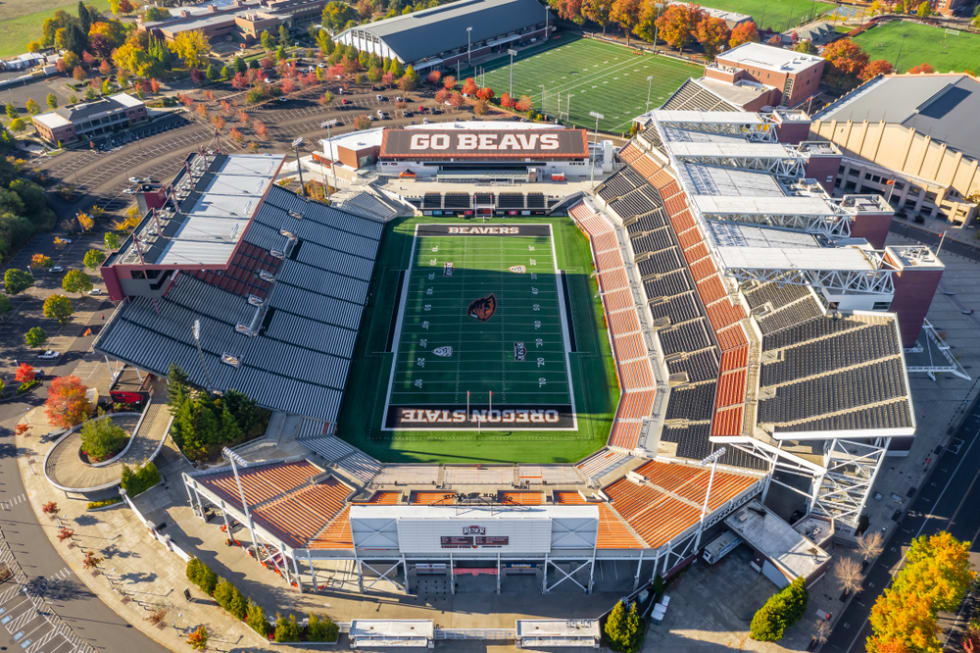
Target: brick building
[(795, 74), (90, 119)]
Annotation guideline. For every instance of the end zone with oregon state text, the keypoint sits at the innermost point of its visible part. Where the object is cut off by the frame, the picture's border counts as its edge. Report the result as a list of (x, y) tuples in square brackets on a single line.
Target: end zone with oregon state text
[(505, 417)]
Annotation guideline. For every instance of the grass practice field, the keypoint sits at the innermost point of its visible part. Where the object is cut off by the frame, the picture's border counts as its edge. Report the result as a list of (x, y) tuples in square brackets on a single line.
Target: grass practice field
[(21, 20), (485, 353), (482, 324), (587, 75), (779, 15), (907, 44)]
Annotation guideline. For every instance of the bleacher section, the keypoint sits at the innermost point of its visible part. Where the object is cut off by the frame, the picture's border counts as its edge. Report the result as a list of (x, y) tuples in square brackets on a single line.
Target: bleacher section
[(354, 464), (632, 358), (691, 96), (500, 204)]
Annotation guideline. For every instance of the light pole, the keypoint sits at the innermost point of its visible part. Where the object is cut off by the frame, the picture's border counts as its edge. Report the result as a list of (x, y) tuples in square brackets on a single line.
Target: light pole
[(542, 97), (568, 107), (469, 47), (713, 461), (649, 89), (513, 53), (333, 166), (196, 330), (299, 166), (598, 116)]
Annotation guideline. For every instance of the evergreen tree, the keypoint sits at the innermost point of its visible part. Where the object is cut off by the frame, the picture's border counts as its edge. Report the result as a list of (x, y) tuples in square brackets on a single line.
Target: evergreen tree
[(84, 19), (240, 65)]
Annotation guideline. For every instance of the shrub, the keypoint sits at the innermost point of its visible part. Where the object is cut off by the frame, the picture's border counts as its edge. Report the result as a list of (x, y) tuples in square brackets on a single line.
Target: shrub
[(321, 629), (223, 592), (287, 630), (623, 629), (101, 439), (140, 480), (198, 639), (782, 610), (104, 503), (255, 618), (237, 604), (202, 576)]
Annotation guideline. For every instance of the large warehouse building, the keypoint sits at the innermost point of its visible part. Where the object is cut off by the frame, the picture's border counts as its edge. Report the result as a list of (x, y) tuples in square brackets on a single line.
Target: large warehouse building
[(452, 33)]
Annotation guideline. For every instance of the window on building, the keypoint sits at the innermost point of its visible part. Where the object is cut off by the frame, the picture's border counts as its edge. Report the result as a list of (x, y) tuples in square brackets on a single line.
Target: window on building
[(853, 172), (881, 306)]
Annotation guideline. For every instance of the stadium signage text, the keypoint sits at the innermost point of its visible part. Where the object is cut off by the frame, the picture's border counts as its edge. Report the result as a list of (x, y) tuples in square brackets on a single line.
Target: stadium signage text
[(457, 417), (486, 231), (484, 143)]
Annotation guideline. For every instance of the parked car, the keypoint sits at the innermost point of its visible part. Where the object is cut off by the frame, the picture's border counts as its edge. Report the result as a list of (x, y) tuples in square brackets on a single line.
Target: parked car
[(49, 354), (58, 268), (134, 180), (95, 292)]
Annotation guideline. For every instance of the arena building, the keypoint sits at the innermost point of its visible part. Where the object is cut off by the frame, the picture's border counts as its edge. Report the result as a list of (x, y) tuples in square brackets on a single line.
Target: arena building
[(452, 33), (756, 324)]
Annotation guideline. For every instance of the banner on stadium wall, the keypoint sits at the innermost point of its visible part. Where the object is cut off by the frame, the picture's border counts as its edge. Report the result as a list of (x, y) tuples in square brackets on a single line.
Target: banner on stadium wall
[(484, 144)]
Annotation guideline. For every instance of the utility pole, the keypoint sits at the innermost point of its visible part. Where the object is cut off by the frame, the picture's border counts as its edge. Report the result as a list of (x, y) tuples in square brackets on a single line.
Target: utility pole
[(299, 166), (469, 47), (512, 52), (196, 330), (598, 116)]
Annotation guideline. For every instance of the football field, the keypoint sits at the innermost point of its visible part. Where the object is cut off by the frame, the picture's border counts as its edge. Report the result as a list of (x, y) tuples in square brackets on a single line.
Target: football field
[(906, 45), (482, 337), (582, 75)]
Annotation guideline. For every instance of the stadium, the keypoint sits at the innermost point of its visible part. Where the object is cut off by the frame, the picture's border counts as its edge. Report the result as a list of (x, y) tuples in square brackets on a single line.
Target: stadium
[(753, 328)]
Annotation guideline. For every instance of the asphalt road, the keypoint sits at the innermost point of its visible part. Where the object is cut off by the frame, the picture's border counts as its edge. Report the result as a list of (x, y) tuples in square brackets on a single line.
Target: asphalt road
[(948, 501), (89, 618)]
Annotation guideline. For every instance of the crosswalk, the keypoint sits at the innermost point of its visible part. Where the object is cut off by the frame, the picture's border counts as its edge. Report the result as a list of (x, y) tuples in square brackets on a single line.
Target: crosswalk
[(8, 504), (30, 631)]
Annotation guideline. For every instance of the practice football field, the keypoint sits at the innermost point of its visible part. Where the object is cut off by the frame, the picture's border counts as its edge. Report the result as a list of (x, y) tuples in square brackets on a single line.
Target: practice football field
[(582, 75), (906, 45), (483, 326)]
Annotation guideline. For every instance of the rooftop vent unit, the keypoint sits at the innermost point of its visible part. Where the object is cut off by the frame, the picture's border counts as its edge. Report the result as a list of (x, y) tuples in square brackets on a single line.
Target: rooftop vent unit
[(287, 234), (265, 275), (277, 253), (255, 300), (639, 479), (229, 359), (295, 214), (244, 329)]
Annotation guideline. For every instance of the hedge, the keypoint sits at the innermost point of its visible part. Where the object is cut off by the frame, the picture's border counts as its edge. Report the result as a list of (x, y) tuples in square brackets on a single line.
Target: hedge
[(140, 480)]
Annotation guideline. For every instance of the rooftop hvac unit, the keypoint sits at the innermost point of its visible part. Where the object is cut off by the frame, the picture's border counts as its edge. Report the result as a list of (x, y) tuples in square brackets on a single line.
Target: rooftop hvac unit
[(265, 275), (244, 329), (229, 359), (295, 214), (639, 479), (287, 234), (255, 300), (277, 253)]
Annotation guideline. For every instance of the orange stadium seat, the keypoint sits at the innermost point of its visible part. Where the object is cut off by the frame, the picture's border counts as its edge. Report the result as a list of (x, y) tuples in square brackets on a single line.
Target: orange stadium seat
[(605, 242), (629, 347), (613, 279), (731, 389), (569, 497), (336, 535), (613, 533), (617, 300), (624, 322), (625, 434), (732, 337), (727, 422)]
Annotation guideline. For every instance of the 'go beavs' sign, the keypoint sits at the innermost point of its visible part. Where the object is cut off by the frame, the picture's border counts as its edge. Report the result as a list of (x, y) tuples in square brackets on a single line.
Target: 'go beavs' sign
[(458, 143)]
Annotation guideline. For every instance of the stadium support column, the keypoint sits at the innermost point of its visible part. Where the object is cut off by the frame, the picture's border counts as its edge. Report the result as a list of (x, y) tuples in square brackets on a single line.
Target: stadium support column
[(452, 574), (591, 571), (544, 576), (299, 581), (408, 586), (598, 116), (190, 499), (713, 459), (309, 559), (360, 576), (498, 572), (639, 566)]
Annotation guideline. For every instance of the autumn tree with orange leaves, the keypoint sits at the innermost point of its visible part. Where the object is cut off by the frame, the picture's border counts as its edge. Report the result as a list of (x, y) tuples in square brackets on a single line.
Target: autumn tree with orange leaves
[(743, 33), (67, 405)]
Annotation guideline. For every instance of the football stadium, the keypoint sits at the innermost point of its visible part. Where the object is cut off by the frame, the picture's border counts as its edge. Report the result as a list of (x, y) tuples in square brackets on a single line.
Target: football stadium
[(741, 330)]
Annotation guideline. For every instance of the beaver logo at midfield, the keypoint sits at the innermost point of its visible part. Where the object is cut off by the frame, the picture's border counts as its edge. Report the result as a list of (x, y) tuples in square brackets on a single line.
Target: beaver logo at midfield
[(483, 308)]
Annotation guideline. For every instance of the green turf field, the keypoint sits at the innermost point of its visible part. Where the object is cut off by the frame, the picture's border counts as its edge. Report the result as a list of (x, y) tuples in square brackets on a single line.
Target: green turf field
[(512, 357), (483, 356), (21, 21), (587, 75), (907, 44), (779, 15)]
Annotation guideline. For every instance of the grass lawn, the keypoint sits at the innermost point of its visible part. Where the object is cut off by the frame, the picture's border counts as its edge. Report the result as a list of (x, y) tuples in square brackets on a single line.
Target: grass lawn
[(588, 75), (21, 20), (907, 44), (486, 357), (779, 15)]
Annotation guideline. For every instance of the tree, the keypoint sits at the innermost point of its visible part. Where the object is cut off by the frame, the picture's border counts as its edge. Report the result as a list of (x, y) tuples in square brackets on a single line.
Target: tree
[(102, 439), (924, 10), (18, 125), (626, 13), (321, 629), (875, 68), (847, 573), (434, 77), (11, 110), (336, 15), (449, 82), (598, 11), (469, 87), (32, 106), (409, 80), (198, 639), (191, 46), (85, 221), (623, 628), (846, 56), (67, 404), (781, 611), (93, 258), (712, 33), (84, 19), (5, 305), (485, 93), (805, 46), (743, 33), (111, 240), (480, 108), (524, 103), (25, 373), (870, 545), (456, 100), (255, 618), (677, 23), (570, 10), (52, 100), (921, 69), (35, 337), (16, 281), (76, 281), (58, 307), (287, 630), (283, 35)]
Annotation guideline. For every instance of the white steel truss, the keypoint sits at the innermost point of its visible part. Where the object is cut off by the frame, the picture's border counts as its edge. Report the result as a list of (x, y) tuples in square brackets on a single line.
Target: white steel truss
[(841, 493), (836, 225), (790, 164), (935, 342), (878, 281)]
